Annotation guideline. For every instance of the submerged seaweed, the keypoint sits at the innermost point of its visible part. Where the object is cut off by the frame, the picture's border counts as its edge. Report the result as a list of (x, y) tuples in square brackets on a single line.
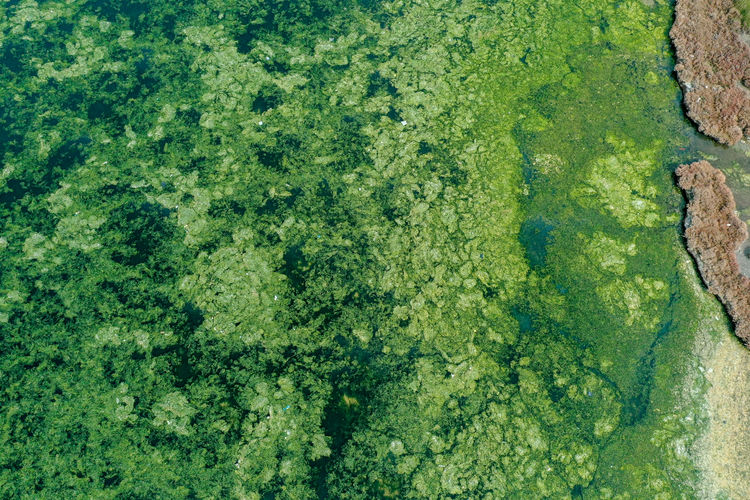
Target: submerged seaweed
[(325, 249)]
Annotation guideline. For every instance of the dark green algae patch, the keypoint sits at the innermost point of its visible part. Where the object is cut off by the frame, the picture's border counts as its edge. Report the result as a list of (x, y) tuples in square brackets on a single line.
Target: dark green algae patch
[(344, 250)]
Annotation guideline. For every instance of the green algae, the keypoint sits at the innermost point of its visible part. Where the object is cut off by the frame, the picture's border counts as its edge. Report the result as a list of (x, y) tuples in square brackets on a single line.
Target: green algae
[(321, 250), (744, 7)]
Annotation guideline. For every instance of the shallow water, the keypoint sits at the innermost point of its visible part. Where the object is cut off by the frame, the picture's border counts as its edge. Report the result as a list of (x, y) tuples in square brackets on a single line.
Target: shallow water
[(325, 249)]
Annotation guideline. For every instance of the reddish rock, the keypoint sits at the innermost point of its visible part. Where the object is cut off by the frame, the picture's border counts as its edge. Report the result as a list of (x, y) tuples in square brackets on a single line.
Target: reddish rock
[(713, 67), (714, 232)]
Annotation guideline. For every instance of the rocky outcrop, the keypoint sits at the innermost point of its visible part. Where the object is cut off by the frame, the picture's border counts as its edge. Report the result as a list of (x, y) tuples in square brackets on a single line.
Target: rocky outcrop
[(714, 232), (713, 67)]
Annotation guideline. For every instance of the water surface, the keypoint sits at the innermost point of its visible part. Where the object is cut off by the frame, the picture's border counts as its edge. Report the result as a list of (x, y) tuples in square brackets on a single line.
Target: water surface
[(333, 249)]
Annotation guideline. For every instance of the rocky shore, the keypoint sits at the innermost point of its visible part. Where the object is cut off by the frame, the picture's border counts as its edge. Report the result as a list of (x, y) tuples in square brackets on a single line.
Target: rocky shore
[(713, 67), (714, 232)]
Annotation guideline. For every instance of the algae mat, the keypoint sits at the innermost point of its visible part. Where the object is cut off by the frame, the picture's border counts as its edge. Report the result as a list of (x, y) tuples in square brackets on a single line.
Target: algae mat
[(331, 249)]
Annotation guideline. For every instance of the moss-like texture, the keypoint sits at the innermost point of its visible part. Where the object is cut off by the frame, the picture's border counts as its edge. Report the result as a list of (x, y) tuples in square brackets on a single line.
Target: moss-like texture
[(317, 249), (744, 7)]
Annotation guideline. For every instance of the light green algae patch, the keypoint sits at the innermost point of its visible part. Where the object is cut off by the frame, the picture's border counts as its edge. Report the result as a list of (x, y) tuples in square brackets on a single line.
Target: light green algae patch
[(619, 184), (394, 249)]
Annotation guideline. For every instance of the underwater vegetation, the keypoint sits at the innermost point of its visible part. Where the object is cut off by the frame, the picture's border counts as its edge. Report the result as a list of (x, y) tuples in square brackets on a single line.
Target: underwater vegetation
[(744, 7), (268, 249)]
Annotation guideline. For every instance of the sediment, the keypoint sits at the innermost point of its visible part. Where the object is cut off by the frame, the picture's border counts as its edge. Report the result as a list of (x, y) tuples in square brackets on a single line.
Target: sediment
[(723, 451), (713, 67), (713, 233)]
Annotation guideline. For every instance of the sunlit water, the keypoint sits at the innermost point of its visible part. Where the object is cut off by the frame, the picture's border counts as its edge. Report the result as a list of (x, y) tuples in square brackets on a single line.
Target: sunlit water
[(349, 250)]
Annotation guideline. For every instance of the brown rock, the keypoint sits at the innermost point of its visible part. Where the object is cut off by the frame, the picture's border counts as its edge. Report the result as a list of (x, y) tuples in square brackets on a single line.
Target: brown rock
[(714, 232), (713, 67)]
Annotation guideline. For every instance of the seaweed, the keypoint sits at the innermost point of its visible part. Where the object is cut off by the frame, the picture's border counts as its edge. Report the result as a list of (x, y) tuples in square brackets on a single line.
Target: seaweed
[(322, 249)]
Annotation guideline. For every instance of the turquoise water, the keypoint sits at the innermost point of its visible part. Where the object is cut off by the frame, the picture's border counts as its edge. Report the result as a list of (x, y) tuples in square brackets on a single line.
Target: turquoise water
[(322, 249)]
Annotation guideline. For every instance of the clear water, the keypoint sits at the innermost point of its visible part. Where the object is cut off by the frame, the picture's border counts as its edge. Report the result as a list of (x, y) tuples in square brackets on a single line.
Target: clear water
[(328, 249)]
